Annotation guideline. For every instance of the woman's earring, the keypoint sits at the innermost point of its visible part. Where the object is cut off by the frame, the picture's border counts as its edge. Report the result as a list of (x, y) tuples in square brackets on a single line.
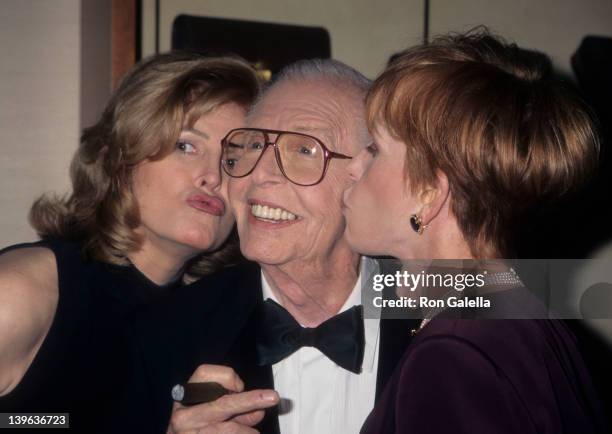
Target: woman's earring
[(416, 224)]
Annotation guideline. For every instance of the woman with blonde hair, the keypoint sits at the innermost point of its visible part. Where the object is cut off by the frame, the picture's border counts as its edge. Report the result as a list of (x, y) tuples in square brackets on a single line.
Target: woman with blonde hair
[(147, 217), (469, 134)]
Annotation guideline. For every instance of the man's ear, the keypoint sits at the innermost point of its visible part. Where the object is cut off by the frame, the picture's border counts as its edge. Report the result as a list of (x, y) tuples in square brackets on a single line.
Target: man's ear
[(433, 198)]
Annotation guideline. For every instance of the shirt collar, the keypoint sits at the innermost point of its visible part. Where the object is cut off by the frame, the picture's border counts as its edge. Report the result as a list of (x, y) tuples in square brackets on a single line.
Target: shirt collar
[(368, 267)]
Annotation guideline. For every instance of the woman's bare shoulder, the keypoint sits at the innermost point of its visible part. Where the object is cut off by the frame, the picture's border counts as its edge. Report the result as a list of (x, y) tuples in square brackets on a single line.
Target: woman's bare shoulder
[(26, 273), (28, 300)]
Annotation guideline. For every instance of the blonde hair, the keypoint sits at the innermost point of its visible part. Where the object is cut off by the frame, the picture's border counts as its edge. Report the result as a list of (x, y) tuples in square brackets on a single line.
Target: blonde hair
[(492, 118), (142, 120)]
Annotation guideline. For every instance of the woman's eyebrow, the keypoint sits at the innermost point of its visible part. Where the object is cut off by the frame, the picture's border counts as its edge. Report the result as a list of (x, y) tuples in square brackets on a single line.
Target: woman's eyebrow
[(196, 132)]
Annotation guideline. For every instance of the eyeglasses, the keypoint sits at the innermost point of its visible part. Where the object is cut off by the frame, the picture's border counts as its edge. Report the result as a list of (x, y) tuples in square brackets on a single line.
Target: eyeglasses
[(301, 158)]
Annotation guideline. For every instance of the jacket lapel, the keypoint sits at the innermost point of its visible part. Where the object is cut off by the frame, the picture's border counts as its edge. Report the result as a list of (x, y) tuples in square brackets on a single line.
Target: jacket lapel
[(242, 357)]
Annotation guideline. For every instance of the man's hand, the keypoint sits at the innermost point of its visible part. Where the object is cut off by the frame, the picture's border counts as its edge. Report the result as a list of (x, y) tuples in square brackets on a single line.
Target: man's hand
[(234, 413)]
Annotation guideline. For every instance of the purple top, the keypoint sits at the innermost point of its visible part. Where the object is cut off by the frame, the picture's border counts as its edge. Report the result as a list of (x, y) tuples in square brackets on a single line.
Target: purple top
[(489, 376)]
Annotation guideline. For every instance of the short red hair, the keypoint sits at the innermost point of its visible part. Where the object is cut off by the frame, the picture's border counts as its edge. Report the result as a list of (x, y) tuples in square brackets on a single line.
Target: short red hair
[(494, 119)]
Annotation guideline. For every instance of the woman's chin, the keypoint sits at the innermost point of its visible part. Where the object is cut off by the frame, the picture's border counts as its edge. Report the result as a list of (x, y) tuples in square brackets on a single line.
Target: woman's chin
[(363, 244), (198, 242)]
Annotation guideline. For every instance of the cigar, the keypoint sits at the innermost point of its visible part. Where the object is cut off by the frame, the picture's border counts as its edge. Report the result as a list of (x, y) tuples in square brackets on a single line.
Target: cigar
[(198, 393)]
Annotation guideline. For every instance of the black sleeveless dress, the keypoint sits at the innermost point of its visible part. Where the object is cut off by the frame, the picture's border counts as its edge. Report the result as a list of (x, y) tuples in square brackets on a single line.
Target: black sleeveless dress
[(81, 365)]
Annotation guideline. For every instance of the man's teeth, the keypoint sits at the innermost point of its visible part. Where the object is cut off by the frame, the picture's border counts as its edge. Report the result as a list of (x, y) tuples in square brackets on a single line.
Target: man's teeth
[(266, 212)]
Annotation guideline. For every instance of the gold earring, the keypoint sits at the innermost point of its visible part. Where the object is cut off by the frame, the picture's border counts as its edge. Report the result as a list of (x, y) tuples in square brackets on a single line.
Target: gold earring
[(417, 224)]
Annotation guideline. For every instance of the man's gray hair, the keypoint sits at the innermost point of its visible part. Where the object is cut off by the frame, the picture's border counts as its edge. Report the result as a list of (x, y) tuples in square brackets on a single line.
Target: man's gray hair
[(326, 70)]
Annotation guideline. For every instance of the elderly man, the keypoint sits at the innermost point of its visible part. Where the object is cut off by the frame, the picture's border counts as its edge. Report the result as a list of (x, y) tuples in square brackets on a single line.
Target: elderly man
[(305, 353)]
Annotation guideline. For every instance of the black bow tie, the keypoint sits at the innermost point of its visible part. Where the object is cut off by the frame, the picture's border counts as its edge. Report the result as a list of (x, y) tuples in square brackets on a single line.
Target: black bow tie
[(340, 338)]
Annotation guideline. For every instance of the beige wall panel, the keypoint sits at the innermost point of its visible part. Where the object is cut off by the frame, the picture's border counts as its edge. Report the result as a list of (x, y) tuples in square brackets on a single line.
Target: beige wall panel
[(363, 33), (54, 79), (555, 27), (39, 114)]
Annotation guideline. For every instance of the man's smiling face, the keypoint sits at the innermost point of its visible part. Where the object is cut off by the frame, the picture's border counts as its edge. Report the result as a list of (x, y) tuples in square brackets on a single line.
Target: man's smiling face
[(314, 224)]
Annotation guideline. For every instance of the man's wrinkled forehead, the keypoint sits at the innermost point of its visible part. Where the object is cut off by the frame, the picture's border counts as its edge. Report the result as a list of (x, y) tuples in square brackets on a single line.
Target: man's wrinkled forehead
[(316, 109)]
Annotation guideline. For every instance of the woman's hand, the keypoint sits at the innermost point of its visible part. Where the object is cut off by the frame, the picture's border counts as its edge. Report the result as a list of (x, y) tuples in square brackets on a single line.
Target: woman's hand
[(234, 413)]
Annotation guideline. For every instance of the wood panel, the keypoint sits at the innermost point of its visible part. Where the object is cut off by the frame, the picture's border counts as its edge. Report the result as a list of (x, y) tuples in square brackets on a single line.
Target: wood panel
[(123, 38)]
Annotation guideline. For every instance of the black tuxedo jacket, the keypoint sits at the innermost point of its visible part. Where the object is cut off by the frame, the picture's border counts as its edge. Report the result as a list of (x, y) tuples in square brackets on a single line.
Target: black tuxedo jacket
[(213, 323)]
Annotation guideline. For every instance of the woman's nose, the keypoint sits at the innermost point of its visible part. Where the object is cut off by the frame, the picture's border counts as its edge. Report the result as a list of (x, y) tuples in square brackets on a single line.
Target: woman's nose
[(209, 175), (356, 166)]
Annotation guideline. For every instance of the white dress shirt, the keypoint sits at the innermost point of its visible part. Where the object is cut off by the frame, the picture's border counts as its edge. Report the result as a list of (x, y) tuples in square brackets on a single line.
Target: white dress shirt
[(318, 396)]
